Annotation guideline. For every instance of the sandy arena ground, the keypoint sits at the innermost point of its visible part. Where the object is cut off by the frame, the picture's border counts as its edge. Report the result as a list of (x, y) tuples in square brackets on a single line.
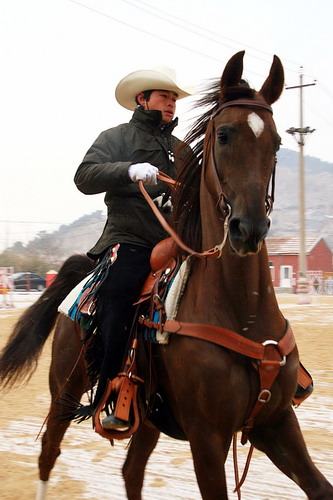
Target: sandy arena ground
[(90, 468)]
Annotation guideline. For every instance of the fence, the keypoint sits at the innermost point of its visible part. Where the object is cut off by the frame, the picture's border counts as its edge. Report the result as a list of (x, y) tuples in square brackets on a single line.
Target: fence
[(320, 283)]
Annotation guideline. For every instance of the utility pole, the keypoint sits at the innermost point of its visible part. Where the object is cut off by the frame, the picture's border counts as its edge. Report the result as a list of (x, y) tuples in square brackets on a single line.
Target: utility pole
[(300, 134)]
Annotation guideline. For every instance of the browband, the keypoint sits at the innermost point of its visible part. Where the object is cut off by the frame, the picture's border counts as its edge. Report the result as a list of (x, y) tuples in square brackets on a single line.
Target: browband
[(243, 102)]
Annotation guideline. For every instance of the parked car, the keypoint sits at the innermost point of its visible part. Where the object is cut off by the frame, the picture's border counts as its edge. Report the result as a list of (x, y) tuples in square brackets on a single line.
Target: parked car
[(29, 281)]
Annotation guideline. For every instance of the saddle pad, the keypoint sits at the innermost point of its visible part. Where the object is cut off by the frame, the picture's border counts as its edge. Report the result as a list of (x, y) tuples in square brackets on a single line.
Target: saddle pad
[(72, 297), (72, 306), (173, 298), (176, 291)]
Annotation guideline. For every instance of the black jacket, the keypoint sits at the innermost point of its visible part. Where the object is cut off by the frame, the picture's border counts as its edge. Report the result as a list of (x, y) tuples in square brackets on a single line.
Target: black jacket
[(105, 169)]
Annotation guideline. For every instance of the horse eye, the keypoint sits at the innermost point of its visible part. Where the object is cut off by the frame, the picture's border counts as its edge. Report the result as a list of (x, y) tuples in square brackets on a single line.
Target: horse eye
[(222, 136)]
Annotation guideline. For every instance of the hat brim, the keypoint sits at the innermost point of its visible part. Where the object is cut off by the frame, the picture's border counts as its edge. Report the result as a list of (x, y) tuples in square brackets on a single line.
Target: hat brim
[(138, 81)]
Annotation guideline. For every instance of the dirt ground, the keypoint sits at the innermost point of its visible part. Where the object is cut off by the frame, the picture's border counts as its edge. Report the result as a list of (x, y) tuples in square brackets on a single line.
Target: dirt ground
[(90, 468)]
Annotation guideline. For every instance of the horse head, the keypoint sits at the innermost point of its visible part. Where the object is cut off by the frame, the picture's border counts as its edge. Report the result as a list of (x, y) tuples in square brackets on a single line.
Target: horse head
[(239, 152)]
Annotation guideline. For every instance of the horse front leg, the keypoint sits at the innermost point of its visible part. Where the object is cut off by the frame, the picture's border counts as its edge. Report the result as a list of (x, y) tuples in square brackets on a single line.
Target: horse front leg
[(283, 443), (209, 451), (141, 447)]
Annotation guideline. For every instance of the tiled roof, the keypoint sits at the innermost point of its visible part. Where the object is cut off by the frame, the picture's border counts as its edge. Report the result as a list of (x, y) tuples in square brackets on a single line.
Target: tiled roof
[(288, 245)]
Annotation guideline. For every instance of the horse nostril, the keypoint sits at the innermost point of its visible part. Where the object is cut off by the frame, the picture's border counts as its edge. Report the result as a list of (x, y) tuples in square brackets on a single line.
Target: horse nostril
[(243, 231), (235, 229)]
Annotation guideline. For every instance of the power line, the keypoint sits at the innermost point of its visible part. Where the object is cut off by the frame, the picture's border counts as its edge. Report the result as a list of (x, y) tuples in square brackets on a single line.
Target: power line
[(180, 26), (172, 42), (196, 26), (325, 89), (43, 221), (30, 222), (146, 32), (320, 115)]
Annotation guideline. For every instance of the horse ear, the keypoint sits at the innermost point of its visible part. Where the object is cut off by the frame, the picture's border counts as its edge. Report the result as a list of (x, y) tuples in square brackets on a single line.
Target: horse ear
[(233, 71), (273, 86)]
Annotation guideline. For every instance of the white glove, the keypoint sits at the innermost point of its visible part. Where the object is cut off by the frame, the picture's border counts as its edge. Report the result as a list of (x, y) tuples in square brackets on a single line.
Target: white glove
[(144, 172)]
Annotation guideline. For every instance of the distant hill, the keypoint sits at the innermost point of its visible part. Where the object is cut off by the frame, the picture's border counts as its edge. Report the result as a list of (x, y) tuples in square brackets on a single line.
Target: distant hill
[(318, 196), (81, 235)]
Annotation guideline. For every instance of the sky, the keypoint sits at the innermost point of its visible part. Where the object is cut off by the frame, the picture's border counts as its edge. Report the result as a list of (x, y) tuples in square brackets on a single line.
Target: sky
[(62, 59)]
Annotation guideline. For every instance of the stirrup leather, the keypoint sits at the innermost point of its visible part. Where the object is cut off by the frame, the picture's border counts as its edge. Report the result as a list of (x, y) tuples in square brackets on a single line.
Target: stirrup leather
[(124, 391)]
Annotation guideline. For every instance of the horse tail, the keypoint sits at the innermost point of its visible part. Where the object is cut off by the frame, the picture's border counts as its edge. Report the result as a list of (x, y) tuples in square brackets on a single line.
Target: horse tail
[(19, 358)]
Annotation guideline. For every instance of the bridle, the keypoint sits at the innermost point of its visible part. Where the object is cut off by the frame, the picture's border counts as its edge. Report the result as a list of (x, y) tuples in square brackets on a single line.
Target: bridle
[(223, 205)]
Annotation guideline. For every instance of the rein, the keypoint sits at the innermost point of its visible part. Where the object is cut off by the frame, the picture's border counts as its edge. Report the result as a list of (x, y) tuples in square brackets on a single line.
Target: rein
[(215, 252)]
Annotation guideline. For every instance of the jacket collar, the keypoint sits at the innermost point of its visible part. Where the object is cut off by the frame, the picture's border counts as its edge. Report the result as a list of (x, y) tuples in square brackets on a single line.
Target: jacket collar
[(151, 120)]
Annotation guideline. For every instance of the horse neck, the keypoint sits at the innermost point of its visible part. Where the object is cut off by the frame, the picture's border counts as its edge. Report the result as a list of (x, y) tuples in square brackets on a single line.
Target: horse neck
[(231, 291), (235, 293)]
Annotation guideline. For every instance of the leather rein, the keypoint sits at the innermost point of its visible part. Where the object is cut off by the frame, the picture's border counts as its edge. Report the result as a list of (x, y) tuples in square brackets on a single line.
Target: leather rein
[(212, 252)]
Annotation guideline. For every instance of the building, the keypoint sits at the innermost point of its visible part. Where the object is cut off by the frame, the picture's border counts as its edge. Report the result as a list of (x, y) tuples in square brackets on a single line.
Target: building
[(283, 260)]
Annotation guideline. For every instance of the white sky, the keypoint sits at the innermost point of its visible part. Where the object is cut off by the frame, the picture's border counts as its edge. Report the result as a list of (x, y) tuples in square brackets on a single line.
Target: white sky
[(61, 60)]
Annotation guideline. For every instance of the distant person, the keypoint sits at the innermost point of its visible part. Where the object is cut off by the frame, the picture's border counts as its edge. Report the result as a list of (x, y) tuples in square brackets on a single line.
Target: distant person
[(5, 288), (118, 159)]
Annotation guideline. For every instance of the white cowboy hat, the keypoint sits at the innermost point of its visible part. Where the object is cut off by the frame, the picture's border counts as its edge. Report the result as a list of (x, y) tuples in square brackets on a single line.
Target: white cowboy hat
[(148, 79)]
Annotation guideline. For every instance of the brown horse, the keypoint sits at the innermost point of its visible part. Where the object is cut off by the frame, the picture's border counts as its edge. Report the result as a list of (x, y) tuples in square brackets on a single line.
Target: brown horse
[(212, 391)]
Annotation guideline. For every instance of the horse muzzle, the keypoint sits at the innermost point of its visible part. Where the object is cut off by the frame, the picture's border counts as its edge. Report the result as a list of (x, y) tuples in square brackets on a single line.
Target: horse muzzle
[(246, 235)]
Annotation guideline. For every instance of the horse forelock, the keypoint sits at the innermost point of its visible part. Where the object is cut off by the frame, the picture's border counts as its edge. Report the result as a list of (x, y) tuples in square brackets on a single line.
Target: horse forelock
[(240, 91)]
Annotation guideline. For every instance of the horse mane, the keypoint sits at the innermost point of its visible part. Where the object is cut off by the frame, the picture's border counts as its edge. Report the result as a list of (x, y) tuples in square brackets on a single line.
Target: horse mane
[(186, 200)]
